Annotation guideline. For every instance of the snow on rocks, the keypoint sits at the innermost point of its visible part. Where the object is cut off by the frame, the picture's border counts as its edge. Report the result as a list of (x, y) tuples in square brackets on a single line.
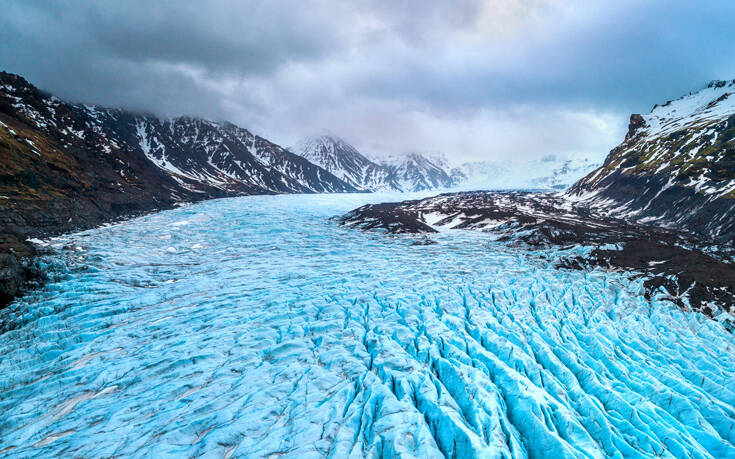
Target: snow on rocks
[(697, 273), (675, 166)]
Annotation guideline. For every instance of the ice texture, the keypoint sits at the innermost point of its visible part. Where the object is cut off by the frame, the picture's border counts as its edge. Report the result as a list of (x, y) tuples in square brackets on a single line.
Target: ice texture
[(258, 327)]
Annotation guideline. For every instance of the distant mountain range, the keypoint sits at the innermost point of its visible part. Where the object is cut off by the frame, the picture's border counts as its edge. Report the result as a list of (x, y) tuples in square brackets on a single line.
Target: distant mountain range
[(419, 172), (410, 172)]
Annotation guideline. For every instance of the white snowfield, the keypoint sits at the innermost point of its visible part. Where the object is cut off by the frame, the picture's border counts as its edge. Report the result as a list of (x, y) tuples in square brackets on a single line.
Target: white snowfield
[(549, 172), (270, 331)]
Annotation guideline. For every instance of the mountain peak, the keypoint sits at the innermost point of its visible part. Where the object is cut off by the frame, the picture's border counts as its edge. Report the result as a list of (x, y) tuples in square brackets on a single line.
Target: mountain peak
[(344, 161), (323, 144), (409, 172)]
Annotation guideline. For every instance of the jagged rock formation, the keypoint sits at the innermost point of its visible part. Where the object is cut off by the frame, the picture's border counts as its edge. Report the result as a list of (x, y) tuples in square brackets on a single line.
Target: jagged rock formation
[(66, 166), (675, 168)]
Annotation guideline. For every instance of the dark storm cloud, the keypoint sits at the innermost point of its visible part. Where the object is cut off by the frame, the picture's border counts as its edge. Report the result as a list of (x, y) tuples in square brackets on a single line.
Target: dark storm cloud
[(471, 78), (622, 55), (153, 55)]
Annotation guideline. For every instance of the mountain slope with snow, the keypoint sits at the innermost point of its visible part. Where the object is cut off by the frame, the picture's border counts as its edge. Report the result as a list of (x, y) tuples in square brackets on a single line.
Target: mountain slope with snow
[(66, 166), (195, 153), (416, 172), (189, 155), (344, 161), (675, 168)]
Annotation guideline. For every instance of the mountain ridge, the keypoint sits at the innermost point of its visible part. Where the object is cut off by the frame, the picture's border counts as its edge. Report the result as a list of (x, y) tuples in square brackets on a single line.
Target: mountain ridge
[(68, 166), (405, 173), (675, 167)]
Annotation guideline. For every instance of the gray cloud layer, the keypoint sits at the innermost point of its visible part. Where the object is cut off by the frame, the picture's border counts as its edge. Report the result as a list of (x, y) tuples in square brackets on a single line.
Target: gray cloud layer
[(474, 79)]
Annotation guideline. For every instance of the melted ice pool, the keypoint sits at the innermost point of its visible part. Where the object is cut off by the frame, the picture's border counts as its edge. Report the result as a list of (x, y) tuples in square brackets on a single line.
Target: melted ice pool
[(256, 326)]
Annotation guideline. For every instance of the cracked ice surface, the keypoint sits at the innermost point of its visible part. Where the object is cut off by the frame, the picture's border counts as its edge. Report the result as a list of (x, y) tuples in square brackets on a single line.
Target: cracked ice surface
[(255, 326)]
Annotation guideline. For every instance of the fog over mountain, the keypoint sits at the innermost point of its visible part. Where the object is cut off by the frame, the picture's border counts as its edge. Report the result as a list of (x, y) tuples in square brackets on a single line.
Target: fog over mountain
[(475, 80)]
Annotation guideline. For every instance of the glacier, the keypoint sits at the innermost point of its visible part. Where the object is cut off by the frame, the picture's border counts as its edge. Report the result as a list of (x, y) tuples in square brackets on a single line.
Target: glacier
[(259, 327)]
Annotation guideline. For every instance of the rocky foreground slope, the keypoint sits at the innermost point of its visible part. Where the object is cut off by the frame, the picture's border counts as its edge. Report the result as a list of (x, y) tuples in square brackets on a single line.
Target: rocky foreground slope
[(675, 168), (67, 166)]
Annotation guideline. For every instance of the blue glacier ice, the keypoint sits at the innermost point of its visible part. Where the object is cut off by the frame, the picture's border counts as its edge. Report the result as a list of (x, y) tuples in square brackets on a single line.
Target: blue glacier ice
[(258, 327)]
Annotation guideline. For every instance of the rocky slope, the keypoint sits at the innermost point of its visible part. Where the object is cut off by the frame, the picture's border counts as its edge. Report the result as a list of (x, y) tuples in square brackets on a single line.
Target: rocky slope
[(66, 166), (675, 168), (410, 172), (696, 274)]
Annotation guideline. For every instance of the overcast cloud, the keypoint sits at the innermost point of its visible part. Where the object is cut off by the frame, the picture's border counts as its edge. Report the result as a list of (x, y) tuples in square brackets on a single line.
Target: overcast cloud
[(472, 79)]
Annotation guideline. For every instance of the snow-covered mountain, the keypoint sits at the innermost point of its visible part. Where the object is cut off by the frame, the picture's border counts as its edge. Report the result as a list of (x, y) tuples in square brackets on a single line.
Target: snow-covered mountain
[(195, 155), (410, 172), (344, 161), (226, 156), (417, 172), (676, 166)]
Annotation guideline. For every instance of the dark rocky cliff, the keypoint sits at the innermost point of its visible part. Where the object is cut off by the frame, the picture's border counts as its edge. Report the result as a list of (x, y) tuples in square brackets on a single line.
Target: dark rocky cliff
[(675, 168)]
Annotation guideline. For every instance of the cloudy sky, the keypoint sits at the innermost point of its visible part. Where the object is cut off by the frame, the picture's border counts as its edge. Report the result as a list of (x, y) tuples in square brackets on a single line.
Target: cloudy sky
[(472, 79)]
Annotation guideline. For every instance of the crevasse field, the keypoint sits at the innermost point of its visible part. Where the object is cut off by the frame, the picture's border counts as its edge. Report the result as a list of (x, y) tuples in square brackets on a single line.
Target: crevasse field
[(257, 327)]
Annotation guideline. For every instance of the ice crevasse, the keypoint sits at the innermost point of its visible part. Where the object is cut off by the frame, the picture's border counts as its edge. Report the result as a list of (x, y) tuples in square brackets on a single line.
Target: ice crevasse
[(257, 327)]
